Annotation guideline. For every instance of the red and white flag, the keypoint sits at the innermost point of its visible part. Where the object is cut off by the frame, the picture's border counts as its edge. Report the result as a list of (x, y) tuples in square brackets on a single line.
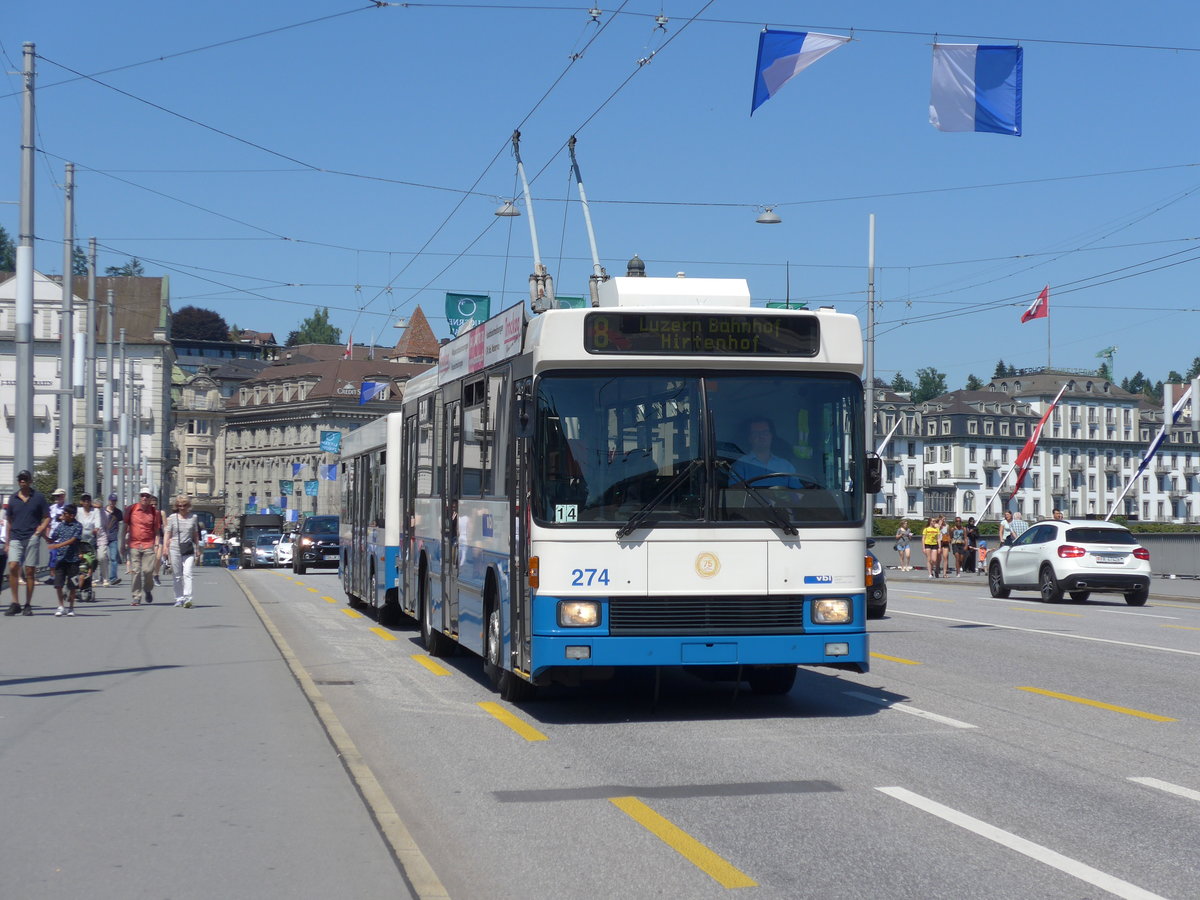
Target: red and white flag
[(1025, 457), (349, 354), (1040, 308)]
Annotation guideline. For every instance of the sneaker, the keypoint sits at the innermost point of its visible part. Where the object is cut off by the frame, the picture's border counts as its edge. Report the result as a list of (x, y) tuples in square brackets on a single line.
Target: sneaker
[(135, 603), (59, 611), (179, 603), (70, 612), (158, 581), (27, 611), (13, 610), (149, 597), (187, 604)]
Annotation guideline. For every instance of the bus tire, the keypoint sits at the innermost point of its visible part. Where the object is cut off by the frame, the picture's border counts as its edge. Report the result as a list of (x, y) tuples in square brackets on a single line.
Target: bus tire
[(512, 688), (771, 680), (436, 643)]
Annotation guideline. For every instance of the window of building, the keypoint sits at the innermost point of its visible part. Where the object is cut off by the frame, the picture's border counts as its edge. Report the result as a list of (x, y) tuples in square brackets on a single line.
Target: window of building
[(1004, 428), (946, 454), (972, 426), (945, 426), (989, 427), (971, 453)]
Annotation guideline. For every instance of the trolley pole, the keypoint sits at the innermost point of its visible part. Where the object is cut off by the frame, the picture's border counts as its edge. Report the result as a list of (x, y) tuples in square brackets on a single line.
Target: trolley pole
[(869, 396), (66, 401), (89, 381)]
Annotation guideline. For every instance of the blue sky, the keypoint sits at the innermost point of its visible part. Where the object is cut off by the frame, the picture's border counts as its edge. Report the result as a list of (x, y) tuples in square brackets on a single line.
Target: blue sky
[(205, 164)]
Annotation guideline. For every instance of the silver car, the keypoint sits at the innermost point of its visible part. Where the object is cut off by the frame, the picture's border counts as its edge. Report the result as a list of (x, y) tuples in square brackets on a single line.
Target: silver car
[(1074, 557)]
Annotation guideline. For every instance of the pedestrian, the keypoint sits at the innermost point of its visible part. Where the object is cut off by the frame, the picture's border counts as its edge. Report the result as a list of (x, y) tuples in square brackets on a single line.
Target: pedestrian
[(929, 541), (903, 550), (1006, 532), (944, 547), (1058, 514), (143, 545), (57, 501), (28, 516), (1019, 526), (972, 545), (111, 518), (182, 538), (958, 544), (66, 541)]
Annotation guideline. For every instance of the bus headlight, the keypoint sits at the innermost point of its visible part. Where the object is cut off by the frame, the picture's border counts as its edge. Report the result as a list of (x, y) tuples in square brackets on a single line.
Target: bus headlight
[(832, 611), (578, 614)]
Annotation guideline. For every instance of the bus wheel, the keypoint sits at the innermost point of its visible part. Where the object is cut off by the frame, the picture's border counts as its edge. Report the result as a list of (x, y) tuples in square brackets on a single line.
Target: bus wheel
[(512, 688), (772, 680), (436, 643)]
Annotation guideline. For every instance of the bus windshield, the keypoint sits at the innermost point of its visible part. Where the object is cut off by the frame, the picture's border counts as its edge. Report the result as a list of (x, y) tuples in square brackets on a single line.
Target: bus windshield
[(653, 448)]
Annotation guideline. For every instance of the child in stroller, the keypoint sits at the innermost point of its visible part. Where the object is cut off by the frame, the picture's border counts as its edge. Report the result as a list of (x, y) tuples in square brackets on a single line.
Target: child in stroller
[(87, 566)]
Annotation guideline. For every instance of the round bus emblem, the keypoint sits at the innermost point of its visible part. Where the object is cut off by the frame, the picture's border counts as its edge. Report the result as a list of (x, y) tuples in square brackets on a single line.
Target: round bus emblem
[(707, 565)]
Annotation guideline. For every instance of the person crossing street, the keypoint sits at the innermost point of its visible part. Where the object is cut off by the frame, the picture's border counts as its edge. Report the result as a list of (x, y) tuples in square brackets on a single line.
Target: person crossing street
[(143, 545)]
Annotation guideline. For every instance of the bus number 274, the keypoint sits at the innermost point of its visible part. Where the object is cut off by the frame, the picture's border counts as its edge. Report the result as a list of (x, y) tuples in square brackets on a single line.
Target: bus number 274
[(588, 577)]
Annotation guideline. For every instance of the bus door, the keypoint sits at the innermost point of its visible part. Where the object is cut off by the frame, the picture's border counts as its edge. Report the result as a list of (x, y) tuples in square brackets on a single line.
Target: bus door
[(450, 495), (408, 513), (522, 604)]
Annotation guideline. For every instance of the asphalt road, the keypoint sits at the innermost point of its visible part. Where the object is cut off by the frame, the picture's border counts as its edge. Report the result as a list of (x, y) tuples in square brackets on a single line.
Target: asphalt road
[(996, 749)]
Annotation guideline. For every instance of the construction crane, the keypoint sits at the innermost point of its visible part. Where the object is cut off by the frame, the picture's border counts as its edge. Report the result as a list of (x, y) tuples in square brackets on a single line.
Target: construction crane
[(1107, 354)]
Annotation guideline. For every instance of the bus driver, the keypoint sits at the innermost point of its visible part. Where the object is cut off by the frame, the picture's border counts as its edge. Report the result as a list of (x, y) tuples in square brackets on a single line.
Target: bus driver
[(760, 461)]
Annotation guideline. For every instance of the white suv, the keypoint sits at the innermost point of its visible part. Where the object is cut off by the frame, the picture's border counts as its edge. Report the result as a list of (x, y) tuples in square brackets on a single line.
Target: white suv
[(1075, 557)]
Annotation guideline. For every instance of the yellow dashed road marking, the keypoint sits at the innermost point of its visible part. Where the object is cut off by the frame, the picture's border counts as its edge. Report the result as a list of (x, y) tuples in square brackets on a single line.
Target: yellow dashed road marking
[(352, 614), (1096, 703), (524, 729), (428, 663), (718, 869), (384, 633), (896, 659)]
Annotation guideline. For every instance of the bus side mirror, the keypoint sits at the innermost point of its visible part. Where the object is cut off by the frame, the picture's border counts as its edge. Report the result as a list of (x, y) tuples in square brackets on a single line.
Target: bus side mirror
[(524, 419), (874, 474)]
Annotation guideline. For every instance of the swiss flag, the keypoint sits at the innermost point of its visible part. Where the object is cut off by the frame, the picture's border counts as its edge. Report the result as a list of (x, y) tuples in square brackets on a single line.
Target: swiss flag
[(1040, 308)]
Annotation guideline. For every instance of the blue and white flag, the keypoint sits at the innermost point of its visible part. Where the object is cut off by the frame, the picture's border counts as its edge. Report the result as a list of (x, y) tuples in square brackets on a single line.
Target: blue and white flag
[(296, 467), (976, 87), (370, 390), (783, 54)]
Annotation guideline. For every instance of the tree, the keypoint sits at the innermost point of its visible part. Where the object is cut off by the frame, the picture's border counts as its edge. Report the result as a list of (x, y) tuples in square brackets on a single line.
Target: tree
[(1174, 377), (79, 262), (8, 252), (974, 384), (1104, 372), (1001, 370), (317, 330), (930, 383), (198, 324), (1194, 371), (131, 269), (45, 476), (901, 385)]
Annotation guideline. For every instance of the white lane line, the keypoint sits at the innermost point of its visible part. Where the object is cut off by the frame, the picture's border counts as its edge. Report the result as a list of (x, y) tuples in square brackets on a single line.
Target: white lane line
[(1058, 634), (1169, 788), (1125, 612), (911, 710), (1037, 852)]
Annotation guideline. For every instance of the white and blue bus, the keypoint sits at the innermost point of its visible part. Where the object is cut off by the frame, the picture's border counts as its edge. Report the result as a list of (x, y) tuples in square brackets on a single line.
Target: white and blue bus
[(369, 525), (672, 478)]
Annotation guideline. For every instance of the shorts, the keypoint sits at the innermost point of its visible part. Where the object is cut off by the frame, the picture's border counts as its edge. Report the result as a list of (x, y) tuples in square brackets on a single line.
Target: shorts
[(64, 571), (25, 552)]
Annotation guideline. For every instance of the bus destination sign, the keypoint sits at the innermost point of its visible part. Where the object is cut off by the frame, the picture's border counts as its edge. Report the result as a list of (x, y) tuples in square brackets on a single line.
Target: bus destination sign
[(693, 334)]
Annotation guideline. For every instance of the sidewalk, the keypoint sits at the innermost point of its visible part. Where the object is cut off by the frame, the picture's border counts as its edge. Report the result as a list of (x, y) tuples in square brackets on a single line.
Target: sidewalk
[(156, 751)]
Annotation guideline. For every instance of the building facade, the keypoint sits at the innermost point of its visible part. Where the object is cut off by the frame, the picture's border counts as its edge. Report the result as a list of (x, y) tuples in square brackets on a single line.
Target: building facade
[(950, 454)]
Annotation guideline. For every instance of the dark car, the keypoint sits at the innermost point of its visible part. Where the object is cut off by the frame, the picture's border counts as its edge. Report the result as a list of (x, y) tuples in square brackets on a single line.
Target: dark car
[(317, 545), (877, 590)]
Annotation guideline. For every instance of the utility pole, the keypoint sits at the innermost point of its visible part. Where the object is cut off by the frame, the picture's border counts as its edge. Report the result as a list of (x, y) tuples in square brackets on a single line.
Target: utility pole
[(66, 400), (23, 337), (110, 400), (869, 396), (123, 424), (89, 380)]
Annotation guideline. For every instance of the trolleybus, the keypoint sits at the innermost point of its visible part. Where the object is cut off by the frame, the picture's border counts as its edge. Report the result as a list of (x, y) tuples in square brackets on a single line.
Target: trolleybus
[(672, 478)]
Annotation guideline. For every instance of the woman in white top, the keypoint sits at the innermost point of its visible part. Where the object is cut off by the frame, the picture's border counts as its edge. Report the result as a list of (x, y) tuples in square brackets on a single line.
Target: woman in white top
[(182, 538)]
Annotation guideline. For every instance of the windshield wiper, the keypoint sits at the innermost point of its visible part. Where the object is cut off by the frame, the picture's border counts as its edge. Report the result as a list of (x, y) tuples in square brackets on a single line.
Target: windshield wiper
[(773, 515), (639, 517)]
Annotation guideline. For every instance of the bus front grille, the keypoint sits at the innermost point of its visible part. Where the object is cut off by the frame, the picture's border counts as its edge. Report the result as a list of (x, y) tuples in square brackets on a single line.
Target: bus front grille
[(705, 615)]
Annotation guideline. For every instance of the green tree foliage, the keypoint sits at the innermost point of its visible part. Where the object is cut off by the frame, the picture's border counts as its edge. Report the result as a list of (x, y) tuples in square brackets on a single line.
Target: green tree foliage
[(317, 330), (1104, 372), (198, 324), (1174, 377), (930, 383), (974, 384), (79, 262), (45, 476), (1194, 371), (1003, 371), (8, 253), (901, 385), (131, 269)]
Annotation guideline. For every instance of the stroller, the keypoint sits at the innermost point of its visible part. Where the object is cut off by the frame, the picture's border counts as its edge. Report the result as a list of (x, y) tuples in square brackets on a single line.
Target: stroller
[(87, 567)]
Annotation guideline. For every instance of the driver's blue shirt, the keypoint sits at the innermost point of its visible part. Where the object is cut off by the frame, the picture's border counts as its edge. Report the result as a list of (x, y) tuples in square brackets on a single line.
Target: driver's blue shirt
[(750, 466)]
